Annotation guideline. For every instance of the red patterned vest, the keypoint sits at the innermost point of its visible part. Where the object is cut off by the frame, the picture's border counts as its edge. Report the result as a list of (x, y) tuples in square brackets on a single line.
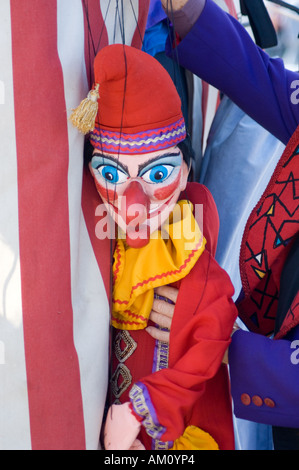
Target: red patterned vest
[(269, 234)]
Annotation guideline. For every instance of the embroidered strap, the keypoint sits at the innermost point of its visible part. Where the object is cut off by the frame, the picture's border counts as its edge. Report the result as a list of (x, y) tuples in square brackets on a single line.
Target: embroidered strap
[(142, 405)]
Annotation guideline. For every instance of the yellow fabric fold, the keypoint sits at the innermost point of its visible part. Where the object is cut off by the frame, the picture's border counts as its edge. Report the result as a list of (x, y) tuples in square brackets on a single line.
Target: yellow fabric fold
[(195, 439), (168, 257)]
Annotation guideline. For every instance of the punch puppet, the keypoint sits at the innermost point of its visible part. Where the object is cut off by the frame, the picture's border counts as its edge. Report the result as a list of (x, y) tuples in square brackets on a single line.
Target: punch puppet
[(164, 395)]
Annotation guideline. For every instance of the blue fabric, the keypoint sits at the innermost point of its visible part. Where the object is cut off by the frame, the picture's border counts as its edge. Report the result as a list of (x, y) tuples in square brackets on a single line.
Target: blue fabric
[(155, 38), (252, 436), (241, 156), (275, 378), (156, 31), (155, 13), (238, 162)]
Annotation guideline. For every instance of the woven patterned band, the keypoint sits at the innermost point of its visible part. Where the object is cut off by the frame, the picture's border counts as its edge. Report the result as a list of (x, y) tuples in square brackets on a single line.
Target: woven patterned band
[(141, 142)]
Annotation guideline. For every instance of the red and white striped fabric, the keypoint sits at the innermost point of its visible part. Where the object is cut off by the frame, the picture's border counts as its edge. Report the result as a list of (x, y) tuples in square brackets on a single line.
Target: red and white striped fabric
[(54, 276), (209, 95)]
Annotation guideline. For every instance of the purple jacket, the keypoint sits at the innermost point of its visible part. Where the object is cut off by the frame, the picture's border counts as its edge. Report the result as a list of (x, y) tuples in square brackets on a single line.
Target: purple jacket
[(220, 51), (264, 372)]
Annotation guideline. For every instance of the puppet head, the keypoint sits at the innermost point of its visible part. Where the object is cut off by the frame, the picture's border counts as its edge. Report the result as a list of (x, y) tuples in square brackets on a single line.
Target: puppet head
[(139, 170)]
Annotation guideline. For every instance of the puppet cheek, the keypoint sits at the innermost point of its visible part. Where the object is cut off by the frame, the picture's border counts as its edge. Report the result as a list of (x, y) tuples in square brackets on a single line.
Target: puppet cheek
[(166, 192), (109, 195)]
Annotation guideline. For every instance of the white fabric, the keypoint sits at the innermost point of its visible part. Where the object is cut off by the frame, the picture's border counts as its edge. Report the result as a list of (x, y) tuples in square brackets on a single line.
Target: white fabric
[(89, 299)]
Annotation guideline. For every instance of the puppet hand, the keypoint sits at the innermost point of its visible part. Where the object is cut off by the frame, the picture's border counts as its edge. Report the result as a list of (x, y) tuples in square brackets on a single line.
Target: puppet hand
[(162, 313), (137, 445), (173, 5), (225, 357), (121, 428)]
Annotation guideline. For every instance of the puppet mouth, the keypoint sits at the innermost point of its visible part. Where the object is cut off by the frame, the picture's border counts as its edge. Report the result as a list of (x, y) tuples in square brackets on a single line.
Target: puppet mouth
[(155, 209), (138, 232)]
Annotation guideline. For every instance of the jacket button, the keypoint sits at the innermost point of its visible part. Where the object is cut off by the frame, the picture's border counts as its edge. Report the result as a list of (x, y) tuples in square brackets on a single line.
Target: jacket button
[(257, 401), (245, 399), (269, 402)]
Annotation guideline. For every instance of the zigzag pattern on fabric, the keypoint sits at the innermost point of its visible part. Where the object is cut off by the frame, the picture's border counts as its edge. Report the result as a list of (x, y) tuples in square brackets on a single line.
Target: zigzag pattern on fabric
[(139, 143), (143, 141), (159, 276), (127, 322)]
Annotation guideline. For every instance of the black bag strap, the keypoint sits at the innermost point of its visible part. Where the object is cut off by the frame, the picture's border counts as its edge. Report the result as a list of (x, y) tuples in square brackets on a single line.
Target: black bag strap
[(260, 22)]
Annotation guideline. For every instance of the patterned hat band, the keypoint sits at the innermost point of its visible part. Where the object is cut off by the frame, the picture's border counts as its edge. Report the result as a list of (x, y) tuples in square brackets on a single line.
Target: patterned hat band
[(141, 142)]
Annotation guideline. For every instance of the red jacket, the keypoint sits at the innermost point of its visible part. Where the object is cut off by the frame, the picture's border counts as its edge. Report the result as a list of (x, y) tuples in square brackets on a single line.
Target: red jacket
[(194, 388)]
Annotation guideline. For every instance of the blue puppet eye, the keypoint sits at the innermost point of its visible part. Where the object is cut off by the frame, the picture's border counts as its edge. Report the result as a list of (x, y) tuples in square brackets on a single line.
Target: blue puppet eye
[(112, 174), (158, 173)]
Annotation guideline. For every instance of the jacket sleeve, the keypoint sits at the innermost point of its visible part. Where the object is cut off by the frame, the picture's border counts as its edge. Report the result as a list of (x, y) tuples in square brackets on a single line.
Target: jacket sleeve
[(265, 378), (200, 334), (220, 51)]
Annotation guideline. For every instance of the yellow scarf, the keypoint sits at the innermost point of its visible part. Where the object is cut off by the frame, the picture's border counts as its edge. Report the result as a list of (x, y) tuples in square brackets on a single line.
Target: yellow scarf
[(168, 257)]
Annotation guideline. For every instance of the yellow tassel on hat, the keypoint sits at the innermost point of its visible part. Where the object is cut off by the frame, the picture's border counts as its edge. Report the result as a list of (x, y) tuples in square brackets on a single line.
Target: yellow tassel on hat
[(84, 116)]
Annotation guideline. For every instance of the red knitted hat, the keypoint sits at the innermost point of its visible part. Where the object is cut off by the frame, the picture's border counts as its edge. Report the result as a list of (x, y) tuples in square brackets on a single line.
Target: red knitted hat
[(139, 109)]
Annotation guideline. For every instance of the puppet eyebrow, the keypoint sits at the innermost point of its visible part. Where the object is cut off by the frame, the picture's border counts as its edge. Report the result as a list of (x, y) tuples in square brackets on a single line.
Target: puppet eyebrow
[(113, 159), (141, 166), (159, 158)]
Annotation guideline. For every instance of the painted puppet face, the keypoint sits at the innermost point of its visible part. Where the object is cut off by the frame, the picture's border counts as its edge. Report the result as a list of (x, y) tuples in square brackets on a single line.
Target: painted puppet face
[(140, 191)]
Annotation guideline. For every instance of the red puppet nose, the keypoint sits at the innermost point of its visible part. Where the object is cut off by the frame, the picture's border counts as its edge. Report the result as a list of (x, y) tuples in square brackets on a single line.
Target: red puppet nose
[(135, 205)]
